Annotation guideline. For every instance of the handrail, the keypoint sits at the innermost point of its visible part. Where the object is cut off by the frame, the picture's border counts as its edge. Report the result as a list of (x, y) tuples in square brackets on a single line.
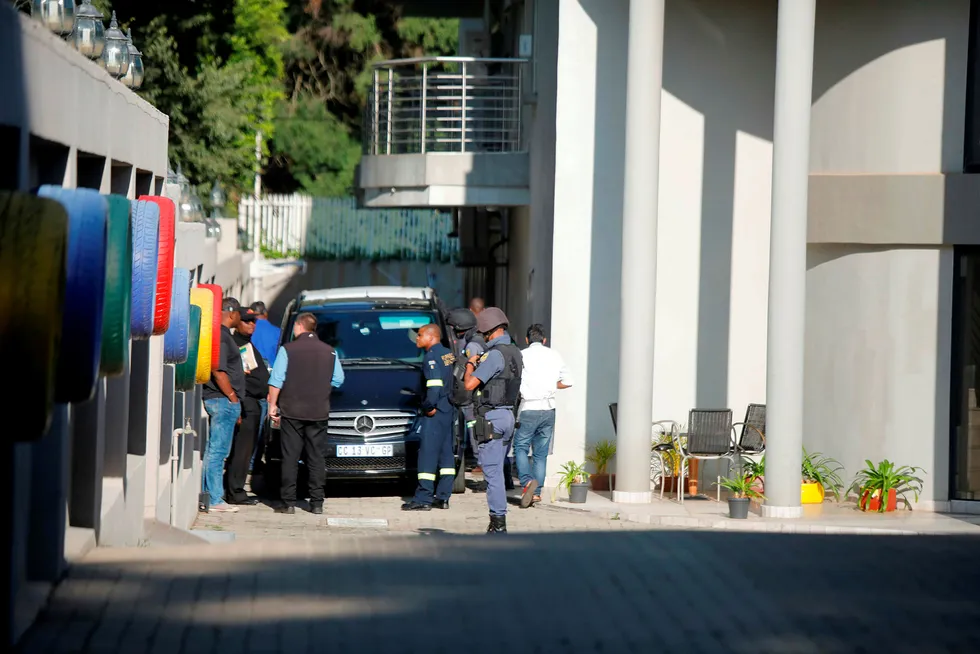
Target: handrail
[(391, 63), (415, 106)]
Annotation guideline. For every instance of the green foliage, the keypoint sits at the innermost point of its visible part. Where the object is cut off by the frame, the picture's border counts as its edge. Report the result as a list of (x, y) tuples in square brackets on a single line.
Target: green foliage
[(741, 486), (207, 122), (572, 473), (316, 148), (259, 32), (878, 480), (822, 470), (600, 455)]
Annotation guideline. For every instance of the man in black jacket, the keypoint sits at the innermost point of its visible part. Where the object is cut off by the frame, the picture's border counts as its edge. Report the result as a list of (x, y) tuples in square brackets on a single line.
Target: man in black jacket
[(256, 389)]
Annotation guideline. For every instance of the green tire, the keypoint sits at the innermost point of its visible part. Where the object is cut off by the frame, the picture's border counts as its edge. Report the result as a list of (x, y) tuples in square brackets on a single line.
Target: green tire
[(185, 374), (116, 324)]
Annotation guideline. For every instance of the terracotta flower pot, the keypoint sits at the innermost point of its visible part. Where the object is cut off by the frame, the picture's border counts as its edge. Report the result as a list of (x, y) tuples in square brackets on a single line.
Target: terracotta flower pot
[(601, 482), (670, 485), (872, 501)]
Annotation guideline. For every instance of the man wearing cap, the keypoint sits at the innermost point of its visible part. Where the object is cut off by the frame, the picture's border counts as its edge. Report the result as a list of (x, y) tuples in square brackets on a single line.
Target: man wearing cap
[(256, 390), (222, 400), (266, 337), (497, 374), (300, 394)]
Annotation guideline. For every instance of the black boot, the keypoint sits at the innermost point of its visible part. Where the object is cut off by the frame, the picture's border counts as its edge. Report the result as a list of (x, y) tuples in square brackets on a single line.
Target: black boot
[(498, 524)]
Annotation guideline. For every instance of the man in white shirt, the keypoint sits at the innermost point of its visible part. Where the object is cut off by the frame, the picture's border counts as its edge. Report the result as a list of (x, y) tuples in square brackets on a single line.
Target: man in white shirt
[(544, 375)]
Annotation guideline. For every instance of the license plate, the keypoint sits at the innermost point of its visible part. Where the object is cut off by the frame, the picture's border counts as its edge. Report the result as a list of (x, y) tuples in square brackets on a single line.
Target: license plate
[(365, 450)]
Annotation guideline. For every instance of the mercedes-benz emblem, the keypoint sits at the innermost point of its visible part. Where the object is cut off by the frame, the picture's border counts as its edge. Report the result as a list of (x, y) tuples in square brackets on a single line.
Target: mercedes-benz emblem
[(364, 424)]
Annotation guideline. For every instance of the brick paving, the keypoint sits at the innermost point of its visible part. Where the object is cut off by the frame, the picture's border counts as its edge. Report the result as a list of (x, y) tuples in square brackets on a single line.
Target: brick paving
[(561, 581)]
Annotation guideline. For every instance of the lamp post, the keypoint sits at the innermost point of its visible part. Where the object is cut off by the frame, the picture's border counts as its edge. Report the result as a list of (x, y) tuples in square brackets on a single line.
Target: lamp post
[(134, 75), (57, 15), (115, 55), (88, 37)]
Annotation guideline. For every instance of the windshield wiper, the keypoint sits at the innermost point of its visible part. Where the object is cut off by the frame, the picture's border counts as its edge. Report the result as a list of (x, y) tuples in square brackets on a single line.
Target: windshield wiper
[(387, 360)]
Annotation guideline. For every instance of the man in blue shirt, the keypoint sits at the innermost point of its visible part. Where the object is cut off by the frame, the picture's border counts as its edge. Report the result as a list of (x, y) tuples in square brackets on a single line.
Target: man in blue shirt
[(266, 337), (300, 396)]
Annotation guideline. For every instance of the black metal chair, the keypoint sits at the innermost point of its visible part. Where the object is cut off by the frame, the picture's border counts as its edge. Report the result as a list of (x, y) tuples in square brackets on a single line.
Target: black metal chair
[(657, 450), (710, 436), (752, 438)]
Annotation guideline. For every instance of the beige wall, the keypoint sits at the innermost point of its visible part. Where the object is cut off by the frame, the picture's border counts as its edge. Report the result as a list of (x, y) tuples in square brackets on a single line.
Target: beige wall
[(889, 86), (877, 357)]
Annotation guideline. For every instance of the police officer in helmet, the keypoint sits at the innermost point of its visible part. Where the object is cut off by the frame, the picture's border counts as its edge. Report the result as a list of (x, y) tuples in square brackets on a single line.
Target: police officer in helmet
[(497, 373), (436, 425), (469, 343)]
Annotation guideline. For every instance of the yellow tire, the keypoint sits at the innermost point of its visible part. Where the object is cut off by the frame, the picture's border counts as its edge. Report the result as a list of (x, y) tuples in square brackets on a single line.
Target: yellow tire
[(204, 298)]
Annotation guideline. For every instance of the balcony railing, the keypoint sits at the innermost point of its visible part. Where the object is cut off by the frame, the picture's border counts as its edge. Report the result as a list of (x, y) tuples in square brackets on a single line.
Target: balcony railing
[(444, 104)]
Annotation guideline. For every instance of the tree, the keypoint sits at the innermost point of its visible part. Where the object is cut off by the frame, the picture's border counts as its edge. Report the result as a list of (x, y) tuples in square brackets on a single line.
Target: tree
[(328, 62)]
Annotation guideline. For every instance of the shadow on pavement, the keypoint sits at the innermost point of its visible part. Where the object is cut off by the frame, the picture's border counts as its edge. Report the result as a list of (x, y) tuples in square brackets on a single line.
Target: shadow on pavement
[(643, 591)]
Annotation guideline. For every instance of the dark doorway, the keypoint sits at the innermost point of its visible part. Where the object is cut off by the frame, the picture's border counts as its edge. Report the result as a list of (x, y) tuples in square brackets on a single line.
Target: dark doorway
[(965, 386)]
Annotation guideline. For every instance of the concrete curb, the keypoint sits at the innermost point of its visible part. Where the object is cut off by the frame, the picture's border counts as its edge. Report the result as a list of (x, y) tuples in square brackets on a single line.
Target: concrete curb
[(755, 525)]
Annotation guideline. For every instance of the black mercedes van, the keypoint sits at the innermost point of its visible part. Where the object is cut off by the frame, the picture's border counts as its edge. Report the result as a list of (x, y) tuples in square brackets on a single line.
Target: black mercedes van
[(371, 432)]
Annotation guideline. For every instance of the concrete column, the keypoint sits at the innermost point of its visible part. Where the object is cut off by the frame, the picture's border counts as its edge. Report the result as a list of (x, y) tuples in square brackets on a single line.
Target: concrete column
[(49, 499), (644, 80), (87, 461), (787, 258)]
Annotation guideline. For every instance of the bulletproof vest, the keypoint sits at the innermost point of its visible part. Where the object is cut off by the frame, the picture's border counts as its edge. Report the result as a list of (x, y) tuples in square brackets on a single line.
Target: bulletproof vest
[(505, 388)]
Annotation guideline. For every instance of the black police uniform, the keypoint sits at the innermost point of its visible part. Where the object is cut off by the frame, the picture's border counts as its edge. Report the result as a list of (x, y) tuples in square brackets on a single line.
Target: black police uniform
[(436, 431)]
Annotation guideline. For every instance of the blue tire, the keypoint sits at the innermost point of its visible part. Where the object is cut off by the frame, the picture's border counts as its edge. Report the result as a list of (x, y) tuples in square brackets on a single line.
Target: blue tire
[(146, 241), (81, 347), (175, 340)]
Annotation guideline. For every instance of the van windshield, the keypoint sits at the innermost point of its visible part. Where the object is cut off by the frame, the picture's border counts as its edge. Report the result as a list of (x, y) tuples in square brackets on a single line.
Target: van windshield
[(373, 334)]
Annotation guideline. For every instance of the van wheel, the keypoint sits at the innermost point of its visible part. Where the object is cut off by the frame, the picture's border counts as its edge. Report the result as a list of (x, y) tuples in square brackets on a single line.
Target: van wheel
[(459, 483)]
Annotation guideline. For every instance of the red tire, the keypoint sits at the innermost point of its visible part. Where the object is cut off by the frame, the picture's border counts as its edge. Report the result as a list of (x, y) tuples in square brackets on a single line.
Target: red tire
[(216, 334), (165, 263)]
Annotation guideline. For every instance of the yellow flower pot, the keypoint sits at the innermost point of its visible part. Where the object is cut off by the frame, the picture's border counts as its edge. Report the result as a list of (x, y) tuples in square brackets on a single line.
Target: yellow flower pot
[(811, 493)]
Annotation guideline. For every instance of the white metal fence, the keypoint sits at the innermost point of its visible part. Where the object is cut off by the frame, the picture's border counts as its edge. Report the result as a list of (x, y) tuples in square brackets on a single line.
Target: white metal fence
[(336, 228)]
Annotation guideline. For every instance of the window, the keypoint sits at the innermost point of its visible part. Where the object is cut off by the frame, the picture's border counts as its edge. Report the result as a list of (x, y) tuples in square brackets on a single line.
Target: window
[(385, 334)]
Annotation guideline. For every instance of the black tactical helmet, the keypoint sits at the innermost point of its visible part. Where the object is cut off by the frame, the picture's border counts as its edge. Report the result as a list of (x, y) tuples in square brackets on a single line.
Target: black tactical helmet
[(461, 320)]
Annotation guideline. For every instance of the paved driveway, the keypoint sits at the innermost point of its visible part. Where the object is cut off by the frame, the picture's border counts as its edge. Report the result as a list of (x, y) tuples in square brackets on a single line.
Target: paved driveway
[(560, 582)]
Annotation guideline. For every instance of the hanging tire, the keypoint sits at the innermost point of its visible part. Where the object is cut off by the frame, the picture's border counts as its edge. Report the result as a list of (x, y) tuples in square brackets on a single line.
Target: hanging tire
[(185, 374), (78, 361), (146, 243), (175, 340), (203, 298), (33, 259), (216, 338), (116, 323), (165, 263)]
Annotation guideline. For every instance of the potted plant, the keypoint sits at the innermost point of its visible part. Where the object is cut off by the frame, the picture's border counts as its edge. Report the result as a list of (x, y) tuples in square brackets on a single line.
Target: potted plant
[(879, 487), (672, 466), (820, 475), (755, 471), (600, 456), (743, 490), (574, 479)]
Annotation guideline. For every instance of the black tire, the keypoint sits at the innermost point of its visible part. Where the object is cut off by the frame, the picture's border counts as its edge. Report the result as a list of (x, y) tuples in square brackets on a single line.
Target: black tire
[(459, 483)]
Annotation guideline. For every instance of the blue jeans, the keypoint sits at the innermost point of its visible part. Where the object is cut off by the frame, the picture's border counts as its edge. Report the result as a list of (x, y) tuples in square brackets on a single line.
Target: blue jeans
[(260, 440), (223, 415), (534, 434)]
